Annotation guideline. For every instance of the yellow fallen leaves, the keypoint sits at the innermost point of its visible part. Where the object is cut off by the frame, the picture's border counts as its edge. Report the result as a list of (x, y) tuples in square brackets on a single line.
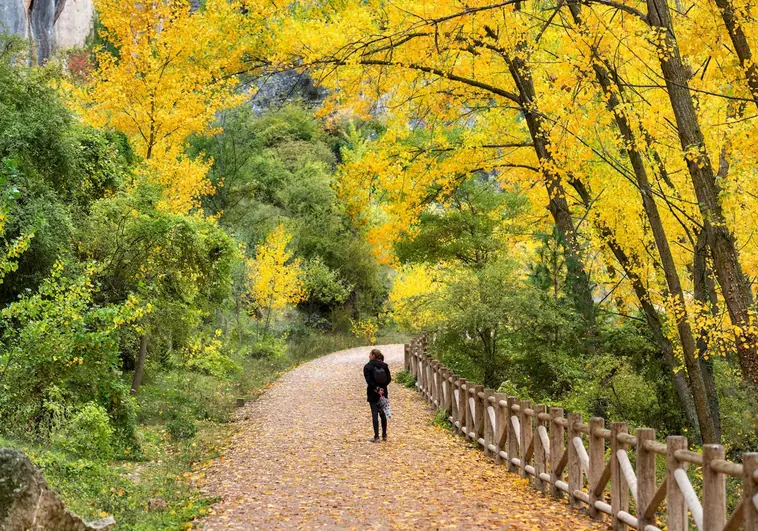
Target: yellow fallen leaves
[(303, 461)]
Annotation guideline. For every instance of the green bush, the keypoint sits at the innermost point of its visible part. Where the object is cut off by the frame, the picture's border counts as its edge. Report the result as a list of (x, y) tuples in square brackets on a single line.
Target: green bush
[(88, 433), (168, 394), (406, 379), (269, 348), (213, 362), (59, 350), (442, 421), (181, 429)]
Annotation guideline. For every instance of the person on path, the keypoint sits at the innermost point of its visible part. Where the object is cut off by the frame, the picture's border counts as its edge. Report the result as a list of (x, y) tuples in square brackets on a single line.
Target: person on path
[(378, 377)]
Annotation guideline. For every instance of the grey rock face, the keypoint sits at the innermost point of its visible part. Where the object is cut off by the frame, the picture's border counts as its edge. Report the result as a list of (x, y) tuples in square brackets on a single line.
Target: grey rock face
[(13, 17), (39, 19), (276, 89), (28, 503), (75, 24)]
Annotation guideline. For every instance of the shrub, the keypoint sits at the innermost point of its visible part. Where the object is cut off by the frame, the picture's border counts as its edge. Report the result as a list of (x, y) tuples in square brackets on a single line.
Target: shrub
[(405, 379), (181, 429), (269, 348), (208, 358), (88, 433), (59, 347), (442, 421)]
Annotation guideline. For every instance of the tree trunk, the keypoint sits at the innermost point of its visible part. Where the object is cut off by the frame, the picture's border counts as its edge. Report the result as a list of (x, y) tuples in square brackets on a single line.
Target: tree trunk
[(488, 344), (578, 281), (140, 366), (700, 281), (628, 264), (686, 337), (734, 286), (741, 45)]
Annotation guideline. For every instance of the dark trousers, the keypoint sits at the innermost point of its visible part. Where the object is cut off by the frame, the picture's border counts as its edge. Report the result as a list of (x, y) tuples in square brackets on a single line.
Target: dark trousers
[(376, 412)]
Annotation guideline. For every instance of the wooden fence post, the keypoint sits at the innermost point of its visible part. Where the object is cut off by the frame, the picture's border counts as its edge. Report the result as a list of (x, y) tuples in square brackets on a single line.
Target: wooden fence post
[(419, 371), (513, 435), (526, 436), (539, 448), (454, 393), (501, 435), (429, 380), (441, 374), (407, 357), (750, 490), (714, 490), (488, 436), (475, 416), (422, 375), (412, 368), (574, 464), (435, 380), (597, 463), (645, 476), (463, 407), (447, 391), (676, 515), (556, 449), (619, 486)]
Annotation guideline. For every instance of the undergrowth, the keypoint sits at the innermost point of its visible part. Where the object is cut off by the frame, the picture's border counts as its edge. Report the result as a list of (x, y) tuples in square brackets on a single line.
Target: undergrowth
[(183, 423), (406, 379), (442, 421)]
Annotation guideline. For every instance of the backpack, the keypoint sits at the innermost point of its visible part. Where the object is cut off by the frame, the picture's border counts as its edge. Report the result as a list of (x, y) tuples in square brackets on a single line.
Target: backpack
[(380, 375)]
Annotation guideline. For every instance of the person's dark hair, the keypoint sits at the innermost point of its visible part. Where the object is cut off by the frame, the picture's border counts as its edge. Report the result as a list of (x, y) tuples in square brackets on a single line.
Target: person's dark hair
[(377, 354)]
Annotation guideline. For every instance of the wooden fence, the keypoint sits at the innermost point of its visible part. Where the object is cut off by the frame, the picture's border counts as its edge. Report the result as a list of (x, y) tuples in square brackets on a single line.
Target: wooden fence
[(565, 456)]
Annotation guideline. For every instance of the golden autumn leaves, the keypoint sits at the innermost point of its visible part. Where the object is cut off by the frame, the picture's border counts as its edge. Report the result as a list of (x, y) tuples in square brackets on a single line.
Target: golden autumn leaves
[(162, 75), (302, 463), (275, 277)]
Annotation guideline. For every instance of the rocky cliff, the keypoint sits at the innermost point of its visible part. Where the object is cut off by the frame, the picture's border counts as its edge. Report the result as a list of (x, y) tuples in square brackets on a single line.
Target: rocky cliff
[(51, 24)]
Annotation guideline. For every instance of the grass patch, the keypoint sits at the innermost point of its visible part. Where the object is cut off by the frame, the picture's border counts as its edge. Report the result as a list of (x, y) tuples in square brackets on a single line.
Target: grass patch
[(406, 379), (442, 421), (183, 423)]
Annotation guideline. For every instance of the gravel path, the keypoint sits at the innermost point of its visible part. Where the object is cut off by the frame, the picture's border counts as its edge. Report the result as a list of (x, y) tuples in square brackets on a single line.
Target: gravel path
[(303, 461)]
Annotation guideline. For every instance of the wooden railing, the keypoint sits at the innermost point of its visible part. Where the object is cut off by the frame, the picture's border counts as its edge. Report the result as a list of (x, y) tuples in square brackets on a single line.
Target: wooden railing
[(567, 457)]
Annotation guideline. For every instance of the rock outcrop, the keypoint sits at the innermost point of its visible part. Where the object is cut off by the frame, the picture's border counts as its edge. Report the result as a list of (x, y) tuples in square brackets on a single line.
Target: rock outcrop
[(274, 90), (51, 24), (27, 503)]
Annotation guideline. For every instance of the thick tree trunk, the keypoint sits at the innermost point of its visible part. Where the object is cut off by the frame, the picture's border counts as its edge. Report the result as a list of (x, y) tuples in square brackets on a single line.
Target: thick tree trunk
[(686, 337), (629, 265), (734, 286), (578, 281), (741, 45), (140, 365), (702, 295)]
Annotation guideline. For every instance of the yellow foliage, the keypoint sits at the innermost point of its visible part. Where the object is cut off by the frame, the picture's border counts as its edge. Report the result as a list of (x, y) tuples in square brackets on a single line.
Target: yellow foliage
[(364, 329), (439, 75), (407, 300), (168, 79), (276, 279)]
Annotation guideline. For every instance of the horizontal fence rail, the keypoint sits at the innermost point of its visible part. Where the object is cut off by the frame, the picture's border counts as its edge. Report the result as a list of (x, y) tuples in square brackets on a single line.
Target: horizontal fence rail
[(590, 464)]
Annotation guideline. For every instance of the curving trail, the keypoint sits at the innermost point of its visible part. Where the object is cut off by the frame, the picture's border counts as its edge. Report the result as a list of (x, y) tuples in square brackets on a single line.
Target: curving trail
[(303, 461)]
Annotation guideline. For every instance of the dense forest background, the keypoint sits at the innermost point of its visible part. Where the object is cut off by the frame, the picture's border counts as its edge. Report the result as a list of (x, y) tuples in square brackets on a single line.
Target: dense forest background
[(129, 331), (207, 195)]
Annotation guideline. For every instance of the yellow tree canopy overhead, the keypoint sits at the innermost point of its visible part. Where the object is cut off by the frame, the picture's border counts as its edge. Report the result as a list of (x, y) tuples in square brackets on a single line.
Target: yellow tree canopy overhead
[(437, 66), (162, 76), (625, 123)]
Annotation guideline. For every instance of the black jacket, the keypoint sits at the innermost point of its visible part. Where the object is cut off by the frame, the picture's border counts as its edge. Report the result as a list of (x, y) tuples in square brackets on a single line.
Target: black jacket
[(368, 373)]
